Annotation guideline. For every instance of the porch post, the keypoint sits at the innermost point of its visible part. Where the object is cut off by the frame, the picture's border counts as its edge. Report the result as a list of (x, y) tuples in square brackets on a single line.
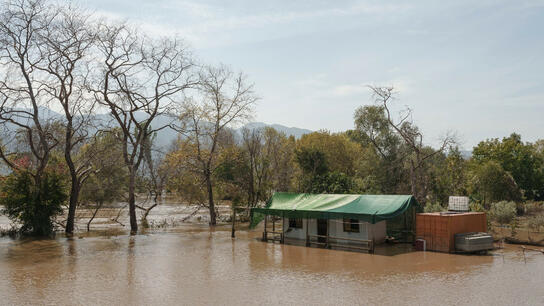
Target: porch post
[(307, 237), (327, 241), (282, 228), (265, 224)]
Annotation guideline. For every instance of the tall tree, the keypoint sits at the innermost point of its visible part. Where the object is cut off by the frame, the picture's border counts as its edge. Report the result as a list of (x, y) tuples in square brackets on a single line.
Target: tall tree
[(65, 43), (278, 161), (386, 166), (27, 128), (139, 80), (252, 144), (520, 159), (413, 139), (223, 99)]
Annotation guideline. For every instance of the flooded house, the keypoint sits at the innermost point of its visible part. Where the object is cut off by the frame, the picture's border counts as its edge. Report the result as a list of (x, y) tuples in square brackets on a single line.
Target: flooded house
[(344, 221)]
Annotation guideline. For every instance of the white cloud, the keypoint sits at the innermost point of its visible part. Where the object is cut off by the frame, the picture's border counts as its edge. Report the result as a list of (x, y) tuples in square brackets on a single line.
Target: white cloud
[(206, 25), (402, 85)]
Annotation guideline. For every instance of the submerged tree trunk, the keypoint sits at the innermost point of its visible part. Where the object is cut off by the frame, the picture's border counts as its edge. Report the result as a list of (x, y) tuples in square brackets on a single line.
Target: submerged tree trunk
[(132, 201), (211, 204), (155, 203), (94, 215), (232, 233), (75, 183), (74, 196)]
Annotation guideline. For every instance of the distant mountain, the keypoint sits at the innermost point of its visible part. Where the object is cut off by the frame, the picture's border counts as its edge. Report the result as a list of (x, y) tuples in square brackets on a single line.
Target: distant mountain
[(289, 131), (166, 136)]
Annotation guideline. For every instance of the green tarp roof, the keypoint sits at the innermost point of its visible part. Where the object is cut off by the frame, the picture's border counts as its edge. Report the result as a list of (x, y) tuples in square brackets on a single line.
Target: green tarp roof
[(369, 208)]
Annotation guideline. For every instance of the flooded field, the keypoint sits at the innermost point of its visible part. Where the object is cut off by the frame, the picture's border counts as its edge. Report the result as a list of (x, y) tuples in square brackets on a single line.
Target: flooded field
[(190, 264)]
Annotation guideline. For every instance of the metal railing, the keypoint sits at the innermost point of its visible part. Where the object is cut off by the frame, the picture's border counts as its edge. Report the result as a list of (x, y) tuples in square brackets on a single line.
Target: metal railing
[(333, 241), (272, 235)]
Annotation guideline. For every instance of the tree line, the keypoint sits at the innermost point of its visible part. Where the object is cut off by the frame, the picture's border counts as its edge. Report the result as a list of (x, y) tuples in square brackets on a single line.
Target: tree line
[(114, 86)]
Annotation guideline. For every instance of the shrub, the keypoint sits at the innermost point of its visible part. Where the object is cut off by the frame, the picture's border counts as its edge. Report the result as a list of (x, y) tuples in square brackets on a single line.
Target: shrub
[(433, 207), (502, 212), (534, 208), (536, 222), (32, 206), (477, 207)]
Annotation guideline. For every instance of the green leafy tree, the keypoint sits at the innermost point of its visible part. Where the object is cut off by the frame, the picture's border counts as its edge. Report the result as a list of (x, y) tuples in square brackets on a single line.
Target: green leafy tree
[(316, 177), (33, 206), (331, 182), (489, 182), (519, 159), (312, 161), (340, 152)]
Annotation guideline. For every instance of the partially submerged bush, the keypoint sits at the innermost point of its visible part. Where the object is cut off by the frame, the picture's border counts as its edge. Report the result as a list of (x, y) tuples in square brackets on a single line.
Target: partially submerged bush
[(536, 223), (31, 205), (534, 208), (502, 212), (433, 207)]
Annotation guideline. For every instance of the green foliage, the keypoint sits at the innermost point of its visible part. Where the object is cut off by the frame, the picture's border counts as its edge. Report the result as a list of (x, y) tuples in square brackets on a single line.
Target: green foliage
[(312, 161), (340, 153), (433, 207), (384, 156), (316, 177), (108, 181), (231, 174), (455, 175), (503, 212), (33, 205), (476, 207), (490, 183), (332, 182), (521, 160)]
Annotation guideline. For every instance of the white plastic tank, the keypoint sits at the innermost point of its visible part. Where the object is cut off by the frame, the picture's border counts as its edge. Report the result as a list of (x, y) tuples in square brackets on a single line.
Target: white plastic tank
[(457, 203)]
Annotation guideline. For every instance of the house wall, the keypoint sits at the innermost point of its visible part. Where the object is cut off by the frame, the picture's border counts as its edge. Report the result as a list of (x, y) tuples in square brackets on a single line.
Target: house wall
[(300, 233), (367, 231)]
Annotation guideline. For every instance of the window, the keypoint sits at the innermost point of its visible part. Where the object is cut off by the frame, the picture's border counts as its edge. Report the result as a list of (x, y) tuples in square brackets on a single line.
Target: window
[(351, 225), (295, 222)]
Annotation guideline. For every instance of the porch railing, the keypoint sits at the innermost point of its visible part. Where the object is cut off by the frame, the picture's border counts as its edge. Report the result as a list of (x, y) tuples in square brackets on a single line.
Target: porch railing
[(340, 242)]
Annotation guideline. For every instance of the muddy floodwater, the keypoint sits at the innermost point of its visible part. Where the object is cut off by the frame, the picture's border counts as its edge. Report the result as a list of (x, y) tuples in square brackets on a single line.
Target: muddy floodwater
[(191, 265)]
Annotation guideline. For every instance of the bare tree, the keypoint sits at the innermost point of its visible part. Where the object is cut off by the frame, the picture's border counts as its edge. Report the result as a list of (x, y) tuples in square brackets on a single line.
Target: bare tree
[(22, 92), (154, 175), (106, 183), (64, 45), (224, 99), (413, 139), (140, 80)]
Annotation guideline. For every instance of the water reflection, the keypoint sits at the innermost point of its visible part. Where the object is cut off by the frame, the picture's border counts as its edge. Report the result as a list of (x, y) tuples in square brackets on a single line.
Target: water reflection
[(192, 265)]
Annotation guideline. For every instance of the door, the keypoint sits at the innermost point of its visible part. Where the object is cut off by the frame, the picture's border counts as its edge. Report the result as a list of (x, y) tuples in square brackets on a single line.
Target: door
[(322, 229)]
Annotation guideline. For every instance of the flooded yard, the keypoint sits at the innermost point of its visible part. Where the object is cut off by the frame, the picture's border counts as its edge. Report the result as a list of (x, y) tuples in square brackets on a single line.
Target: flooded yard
[(190, 264)]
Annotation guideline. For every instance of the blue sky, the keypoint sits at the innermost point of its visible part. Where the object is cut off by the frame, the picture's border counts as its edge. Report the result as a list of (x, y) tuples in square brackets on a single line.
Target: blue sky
[(471, 67)]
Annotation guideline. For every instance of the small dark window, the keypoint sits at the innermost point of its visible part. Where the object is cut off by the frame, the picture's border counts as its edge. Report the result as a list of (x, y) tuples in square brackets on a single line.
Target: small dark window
[(295, 222), (351, 225)]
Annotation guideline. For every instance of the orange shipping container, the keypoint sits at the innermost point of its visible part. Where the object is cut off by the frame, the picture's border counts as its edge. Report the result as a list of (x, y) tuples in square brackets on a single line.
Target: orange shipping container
[(439, 229)]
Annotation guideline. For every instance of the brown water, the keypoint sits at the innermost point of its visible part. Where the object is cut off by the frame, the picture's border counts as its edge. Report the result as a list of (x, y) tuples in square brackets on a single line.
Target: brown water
[(192, 265)]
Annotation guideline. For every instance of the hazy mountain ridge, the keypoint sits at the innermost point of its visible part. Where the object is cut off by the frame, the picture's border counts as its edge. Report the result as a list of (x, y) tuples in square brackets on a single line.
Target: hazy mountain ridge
[(165, 137)]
